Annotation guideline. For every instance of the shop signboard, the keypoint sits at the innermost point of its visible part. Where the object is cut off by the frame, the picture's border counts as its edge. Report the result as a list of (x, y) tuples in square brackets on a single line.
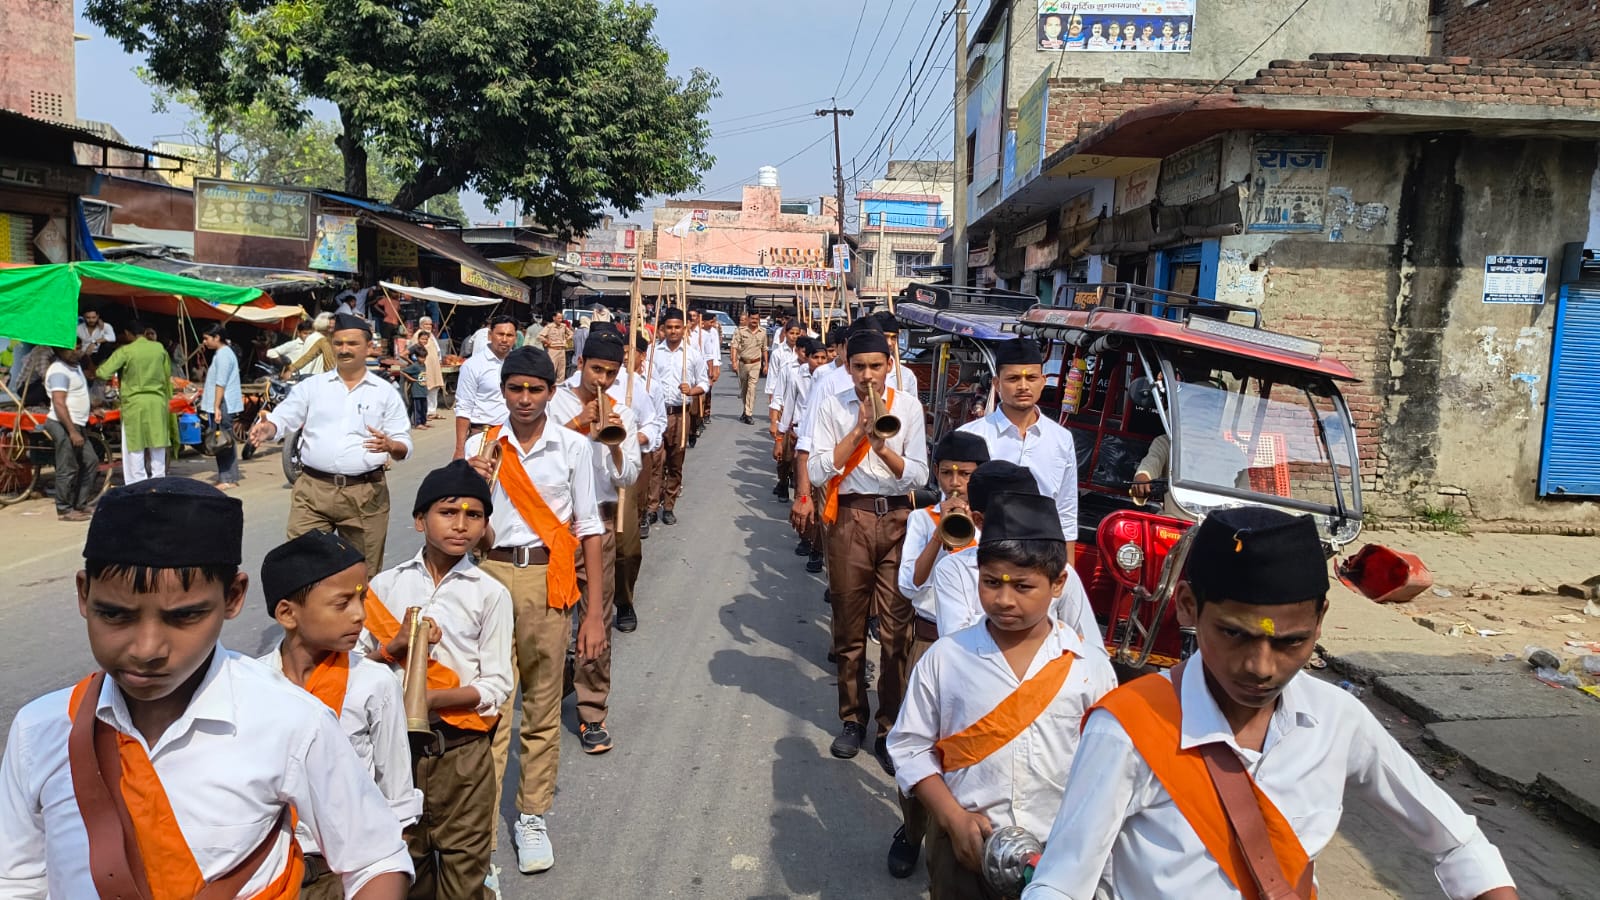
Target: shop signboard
[(1288, 182), (1515, 279), (737, 274), (1138, 188), (43, 177), (335, 247), (253, 210), (611, 262), (395, 252), (1116, 26), (1191, 174), (498, 286), (1033, 109)]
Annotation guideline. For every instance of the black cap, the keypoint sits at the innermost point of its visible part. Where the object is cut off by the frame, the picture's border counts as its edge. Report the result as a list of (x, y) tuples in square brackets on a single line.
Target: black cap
[(347, 322), (886, 321), (1021, 517), (1020, 352), (304, 561), (528, 360), (640, 342), (605, 344), (961, 446), (866, 340), (865, 323), (671, 314), (808, 345), (998, 477), (1257, 555), (455, 479), (166, 523), (838, 333)]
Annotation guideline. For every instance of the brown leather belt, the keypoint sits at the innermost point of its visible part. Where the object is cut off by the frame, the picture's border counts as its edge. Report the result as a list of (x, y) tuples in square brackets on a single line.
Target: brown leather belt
[(925, 629), (316, 867), (608, 512), (521, 557), (875, 502), (371, 477)]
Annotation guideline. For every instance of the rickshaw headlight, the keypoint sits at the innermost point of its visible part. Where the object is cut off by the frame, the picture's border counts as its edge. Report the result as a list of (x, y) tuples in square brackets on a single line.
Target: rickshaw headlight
[(1130, 556)]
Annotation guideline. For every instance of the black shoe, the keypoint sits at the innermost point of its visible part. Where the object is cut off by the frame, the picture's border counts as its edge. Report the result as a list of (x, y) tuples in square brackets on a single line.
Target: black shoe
[(693, 438), (827, 597), (747, 420), (667, 518), (644, 528), (803, 548), (873, 634), (655, 516), (848, 743), (594, 737), (780, 490), (568, 674), (814, 564), (902, 855), (627, 619), (880, 749)]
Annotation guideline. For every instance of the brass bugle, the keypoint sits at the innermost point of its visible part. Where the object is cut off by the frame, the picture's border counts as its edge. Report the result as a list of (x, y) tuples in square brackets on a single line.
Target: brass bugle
[(956, 529), (414, 692), (884, 424), (610, 435)]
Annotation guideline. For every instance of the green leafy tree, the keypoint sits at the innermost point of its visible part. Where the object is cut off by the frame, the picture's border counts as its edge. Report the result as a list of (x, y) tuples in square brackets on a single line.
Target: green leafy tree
[(563, 105)]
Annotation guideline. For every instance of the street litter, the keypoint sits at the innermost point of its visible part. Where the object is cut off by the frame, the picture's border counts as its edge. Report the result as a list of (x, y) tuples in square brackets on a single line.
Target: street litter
[(1442, 592), (1505, 657), (1586, 646), (1592, 691), (1352, 687), (1556, 678), (1592, 608), (1490, 632), (1568, 619), (1540, 658), (1590, 664)]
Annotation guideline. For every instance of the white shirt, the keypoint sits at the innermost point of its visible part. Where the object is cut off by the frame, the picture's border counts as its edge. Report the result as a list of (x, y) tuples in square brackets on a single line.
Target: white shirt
[(650, 405), (1047, 450), (473, 612), (70, 381), (608, 476), (477, 343), (334, 420), (836, 415), (709, 343), (94, 337), (781, 357), (288, 350), (823, 380), (373, 717), (478, 396), (797, 390), (961, 679), (920, 529), (903, 378), (668, 368), (1320, 741), (246, 745), (954, 584), (560, 465), (644, 404)]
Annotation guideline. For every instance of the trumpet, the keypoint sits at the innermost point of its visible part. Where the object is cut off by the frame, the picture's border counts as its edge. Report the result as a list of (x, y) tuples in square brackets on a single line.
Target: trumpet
[(956, 529), (415, 690), (491, 452), (610, 435), (884, 424)]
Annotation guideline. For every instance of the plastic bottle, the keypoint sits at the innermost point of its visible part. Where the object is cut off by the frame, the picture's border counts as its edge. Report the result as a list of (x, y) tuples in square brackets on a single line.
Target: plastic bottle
[(1353, 688), (1072, 385)]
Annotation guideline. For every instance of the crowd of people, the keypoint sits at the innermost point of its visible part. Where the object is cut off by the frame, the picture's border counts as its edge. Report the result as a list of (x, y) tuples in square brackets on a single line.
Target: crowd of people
[(184, 769)]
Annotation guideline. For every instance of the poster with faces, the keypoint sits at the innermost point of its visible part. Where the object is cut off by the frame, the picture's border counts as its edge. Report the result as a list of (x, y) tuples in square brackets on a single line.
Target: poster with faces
[(1116, 26)]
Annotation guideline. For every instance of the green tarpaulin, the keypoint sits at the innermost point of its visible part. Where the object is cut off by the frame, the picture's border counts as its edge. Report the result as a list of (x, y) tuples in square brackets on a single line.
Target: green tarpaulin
[(39, 304)]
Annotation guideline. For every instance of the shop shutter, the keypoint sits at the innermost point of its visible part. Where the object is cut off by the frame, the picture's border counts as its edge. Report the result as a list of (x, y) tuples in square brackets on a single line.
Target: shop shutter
[(1571, 462)]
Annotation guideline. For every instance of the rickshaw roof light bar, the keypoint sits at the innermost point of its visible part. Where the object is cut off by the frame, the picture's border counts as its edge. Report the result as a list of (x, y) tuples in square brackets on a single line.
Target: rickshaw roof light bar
[(1288, 343)]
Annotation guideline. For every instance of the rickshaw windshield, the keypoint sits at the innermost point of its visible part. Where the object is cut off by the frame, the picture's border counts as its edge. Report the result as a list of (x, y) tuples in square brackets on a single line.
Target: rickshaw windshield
[(1255, 434)]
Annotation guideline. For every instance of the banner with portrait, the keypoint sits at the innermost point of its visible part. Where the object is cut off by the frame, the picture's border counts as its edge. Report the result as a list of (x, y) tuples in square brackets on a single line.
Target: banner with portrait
[(1116, 26), (1289, 177)]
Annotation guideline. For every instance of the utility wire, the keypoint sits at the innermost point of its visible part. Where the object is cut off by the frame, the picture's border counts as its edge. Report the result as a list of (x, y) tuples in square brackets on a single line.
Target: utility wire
[(767, 112), (887, 51), (845, 70)]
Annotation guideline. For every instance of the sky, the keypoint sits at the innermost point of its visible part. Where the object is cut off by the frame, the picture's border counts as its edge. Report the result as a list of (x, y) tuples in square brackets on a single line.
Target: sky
[(777, 63)]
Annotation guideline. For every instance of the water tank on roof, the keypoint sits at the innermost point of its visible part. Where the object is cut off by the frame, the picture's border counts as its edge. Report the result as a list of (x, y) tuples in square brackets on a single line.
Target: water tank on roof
[(767, 176)]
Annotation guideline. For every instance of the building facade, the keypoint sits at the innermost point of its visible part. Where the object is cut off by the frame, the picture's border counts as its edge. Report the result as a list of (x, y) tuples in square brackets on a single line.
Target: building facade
[(901, 218), (38, 74)]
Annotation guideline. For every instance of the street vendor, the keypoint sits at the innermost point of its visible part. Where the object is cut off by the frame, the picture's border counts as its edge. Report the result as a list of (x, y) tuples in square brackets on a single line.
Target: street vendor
[(432, 363), (148, 426)]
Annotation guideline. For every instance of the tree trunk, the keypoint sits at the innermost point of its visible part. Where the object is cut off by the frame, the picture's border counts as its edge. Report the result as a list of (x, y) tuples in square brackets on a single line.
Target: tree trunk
[(354, 151), (420, 188)]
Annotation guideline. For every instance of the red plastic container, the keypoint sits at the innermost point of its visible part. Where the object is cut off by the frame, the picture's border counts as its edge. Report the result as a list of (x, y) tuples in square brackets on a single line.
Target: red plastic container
[(1383, 575)]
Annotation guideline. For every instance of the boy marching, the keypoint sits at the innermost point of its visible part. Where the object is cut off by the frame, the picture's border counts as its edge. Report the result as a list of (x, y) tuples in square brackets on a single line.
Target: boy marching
[(679, 367)]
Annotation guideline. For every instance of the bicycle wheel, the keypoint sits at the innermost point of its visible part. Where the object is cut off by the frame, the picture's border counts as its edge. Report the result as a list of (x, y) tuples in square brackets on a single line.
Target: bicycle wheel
[(291, 456), (106, 470), (18, 475)]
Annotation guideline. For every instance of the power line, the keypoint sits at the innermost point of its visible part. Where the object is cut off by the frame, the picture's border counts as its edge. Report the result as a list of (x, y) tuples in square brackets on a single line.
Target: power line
[(932, 45), (852, 51), (825, 135), (755, 115), (1246, 58), (764, 126), (887, 51), (923, 39)]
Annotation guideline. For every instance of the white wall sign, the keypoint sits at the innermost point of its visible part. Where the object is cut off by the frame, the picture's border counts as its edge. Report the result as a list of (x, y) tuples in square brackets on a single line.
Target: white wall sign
[(1515, 279)]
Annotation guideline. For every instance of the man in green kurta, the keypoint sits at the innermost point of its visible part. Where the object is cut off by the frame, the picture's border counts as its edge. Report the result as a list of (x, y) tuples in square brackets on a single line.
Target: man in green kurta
[(148, 426)]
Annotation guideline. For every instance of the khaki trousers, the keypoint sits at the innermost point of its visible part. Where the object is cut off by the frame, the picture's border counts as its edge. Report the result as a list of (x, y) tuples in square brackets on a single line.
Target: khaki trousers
[(749, 379), (358, 512), (786, 461), (539, 654), (630, 549), (450, 844), (327, 887), (646, 492), (948, 879), (912, 812), (672, 459), (592, 679), (863, 559)]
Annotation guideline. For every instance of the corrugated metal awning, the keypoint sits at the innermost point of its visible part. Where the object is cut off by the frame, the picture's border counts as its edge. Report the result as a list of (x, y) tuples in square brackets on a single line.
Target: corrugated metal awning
[(454, 248)]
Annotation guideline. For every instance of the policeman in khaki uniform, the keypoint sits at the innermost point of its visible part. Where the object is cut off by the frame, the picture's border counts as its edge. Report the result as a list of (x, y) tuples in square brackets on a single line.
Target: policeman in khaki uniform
[(749, 353)]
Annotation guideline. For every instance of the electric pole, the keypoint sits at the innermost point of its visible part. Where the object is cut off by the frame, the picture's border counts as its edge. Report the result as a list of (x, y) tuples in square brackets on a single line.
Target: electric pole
[(958, 223), (838, 184)]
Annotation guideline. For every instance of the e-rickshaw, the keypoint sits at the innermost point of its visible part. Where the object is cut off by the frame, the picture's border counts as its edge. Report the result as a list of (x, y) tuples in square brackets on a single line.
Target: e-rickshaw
[(1215, 411)]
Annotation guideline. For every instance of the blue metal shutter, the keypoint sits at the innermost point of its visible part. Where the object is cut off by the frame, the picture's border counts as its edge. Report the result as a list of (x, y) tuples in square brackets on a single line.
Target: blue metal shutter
[(1571, 463)]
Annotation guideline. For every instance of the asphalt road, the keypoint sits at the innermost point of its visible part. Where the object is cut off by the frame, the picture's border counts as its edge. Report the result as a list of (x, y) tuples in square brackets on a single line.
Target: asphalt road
[(720, 784)]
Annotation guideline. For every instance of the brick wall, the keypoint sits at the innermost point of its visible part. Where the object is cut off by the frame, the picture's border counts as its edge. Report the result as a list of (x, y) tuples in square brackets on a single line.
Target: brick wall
[(1526, 29), (36, 69), (1081, 106)]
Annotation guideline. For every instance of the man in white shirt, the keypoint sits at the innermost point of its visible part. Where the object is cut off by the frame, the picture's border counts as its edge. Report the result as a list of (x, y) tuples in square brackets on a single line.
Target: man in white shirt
[(707, 339), (785, 363), (479, 403), (352, 423), (787, 409), (616, 467), (95, 335), (650, 406), (290, 350), (805, 512), (866, 501), (544, 515), (678, 366), (903, 378), (76, 461), (1017, 432), (1142, 817)]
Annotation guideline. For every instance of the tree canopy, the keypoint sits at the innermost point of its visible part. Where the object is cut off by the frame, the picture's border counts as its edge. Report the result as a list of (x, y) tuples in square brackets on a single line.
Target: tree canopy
[(563, 105)]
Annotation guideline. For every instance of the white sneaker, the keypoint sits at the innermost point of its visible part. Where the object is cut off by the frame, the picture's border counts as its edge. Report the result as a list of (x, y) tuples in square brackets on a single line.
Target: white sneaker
[(491, 882), (534, 853)]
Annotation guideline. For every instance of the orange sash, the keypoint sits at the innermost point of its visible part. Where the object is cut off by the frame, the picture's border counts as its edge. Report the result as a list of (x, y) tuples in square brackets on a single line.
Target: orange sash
[(329, 679), (1148, 711), (1001, 725), (169, 864), (561, 577), (937, 515), (383, 626), (830, 507)]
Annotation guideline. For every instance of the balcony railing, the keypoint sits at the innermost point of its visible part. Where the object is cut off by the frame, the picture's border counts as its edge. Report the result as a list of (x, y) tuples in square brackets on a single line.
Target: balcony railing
[(907, 220)]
